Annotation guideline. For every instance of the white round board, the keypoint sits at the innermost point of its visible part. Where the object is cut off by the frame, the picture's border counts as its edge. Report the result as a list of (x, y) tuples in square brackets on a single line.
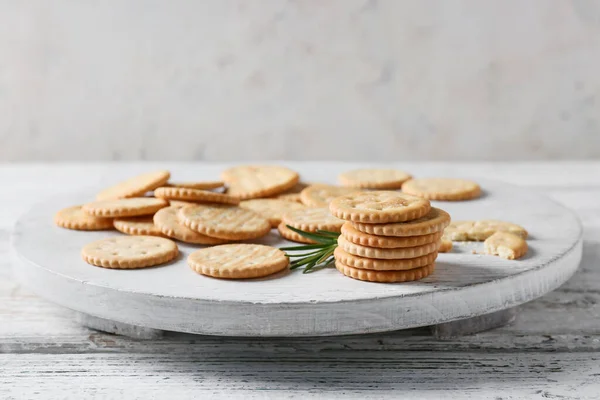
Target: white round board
[(173, 297)]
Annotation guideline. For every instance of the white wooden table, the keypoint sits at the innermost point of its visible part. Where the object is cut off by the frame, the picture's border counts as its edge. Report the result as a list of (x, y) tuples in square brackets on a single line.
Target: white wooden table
[(552, 350)]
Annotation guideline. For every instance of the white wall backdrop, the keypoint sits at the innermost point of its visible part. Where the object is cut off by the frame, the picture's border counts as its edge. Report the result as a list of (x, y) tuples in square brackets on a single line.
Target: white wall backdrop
[(383, 80)]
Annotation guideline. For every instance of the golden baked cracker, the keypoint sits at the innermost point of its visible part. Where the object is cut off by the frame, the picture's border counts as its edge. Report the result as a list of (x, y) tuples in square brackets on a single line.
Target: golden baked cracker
[(202, 185), (136, 186), (352, 260), (385, 276), (194, 195), (238, 261), (442, 188), (355, 236), (181, 203), (166, 222), (376, 178), (137, 226), (387, 254), (310, 219), (130, 207), (435, 221), (251, 182), (129, 252), (320, 195), (224, 222), (445, 245), (379, 207), (481, 230), (271, 209), (75, 218), (289, 234), (506, 245)]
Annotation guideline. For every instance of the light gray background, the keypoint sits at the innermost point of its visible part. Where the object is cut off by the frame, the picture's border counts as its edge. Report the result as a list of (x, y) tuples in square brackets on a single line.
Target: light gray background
[(228, 80)]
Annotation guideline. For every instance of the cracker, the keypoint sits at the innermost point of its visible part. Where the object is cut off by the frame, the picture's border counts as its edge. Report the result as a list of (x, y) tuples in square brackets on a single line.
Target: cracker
[(76, 218), (481, 230), (238, 261), (136, 186), (166, 222), (354, 261), (387, 254), (435, 221), (445, 245), (224, 222), (181, 203), (130, 207), (320, 195), (506, 245), (355, 236), (202, 185), (251, 182), (289, 234), (312, 219), (442, 188), (194, 195), (137, 226), (129, 252), (385, 276), (379, 207), (271, 209), (377, 178)]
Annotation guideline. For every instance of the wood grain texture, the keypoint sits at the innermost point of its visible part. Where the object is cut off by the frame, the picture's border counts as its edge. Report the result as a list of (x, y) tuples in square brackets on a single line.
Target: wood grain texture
[(552, 349)]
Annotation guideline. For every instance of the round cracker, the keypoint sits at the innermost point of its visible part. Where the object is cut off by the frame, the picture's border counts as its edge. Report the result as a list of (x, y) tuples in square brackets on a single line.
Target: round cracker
[(387, 254), (137, 226), (442, 188), (271, 209), (75, 218), (194, 195), (238, 261), (379, 207), (251, 182), (320, 195), (129, 252), (130, 207), (166, 221), (202, 185), (354, 261), (289, 234), (136, 186), (377, 178), (435, 221), (312, 219), (385, 276), (355, 236), (224, 222), (295, 197)]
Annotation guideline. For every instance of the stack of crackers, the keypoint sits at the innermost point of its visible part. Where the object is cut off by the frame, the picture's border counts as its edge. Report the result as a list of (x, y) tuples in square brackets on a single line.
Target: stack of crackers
[(388, 236)]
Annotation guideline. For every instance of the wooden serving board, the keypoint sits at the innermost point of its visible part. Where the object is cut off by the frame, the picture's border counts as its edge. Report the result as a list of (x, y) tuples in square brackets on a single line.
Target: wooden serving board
[(173, 297)]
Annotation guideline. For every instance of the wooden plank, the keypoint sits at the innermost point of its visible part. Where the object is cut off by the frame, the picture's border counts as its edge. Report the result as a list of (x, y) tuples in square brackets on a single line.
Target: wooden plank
[(328, 373)]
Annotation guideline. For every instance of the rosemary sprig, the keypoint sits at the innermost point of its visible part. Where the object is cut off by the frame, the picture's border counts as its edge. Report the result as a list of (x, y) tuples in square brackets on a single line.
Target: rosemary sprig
[(313, 257)]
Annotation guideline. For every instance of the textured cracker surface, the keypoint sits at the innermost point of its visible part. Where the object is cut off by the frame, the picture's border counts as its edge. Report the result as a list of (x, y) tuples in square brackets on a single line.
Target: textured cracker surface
[(435, 221), (129, 251), (376, 207)]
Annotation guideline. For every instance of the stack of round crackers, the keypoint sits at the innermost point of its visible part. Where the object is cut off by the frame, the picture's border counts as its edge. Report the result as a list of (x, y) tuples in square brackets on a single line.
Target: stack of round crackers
[(388, 236)]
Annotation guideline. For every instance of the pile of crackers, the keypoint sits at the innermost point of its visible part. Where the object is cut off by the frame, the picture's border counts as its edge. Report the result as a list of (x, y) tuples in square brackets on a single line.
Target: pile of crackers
[(388, 236)]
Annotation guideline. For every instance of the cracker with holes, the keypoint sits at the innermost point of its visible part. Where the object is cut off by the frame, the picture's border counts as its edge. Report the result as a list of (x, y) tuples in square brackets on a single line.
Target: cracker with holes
[(224, 222), (448, 189), (238, 261), (166, 222), (379, 207), (136, 186), (271, 209), (435, 221), (377, 178), (320, 195), (313, 219), (251, 182), (137, 226), (355, 236), (129, 252), (130, 207), (194, 195), (387, 254), (75, 218)]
